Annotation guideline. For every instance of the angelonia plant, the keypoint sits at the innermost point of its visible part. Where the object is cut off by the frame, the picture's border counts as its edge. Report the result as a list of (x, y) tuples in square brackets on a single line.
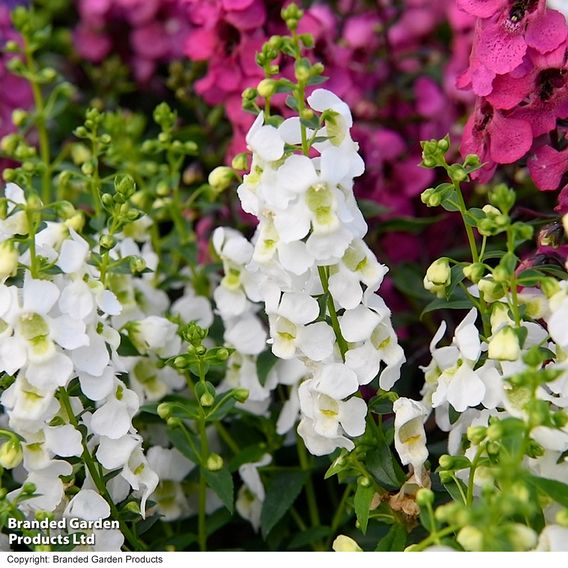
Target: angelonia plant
[(161, 390)]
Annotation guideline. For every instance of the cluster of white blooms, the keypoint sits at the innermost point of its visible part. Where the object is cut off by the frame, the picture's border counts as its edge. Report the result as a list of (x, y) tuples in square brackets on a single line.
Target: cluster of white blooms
[(59, 339), (308, 246), (485, 379)]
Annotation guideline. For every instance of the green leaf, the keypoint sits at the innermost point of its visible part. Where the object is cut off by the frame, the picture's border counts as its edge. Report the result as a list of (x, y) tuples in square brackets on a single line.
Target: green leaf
[(221, 482), (309, 536), (317, 80), (264, 363), (280, 496), (384, 468), (394, 540), (453, 487), (408, 224), (554, 489), (362, 504), (250, 454), (338, 465), (380, 405), (179, 439), (443, 304), (219, 412), (371, 208)]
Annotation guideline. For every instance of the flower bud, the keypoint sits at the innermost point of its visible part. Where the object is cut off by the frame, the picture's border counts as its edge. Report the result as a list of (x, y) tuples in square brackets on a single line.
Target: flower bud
[(164, 410), (474, 272), (476, 434), (173, 422), (107, 242), (266, 88), (10, 454), (207, 399), (214, 462), (438, 276), (345, 544), (424, 497), (240, 162), (562, 518), (240, 395), (521, 537), (220, 178), (8, 259), (491, 290), (471, 539), (504, 345), (19, 116)]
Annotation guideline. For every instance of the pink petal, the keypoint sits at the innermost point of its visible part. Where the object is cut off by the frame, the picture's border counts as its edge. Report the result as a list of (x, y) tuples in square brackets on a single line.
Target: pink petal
[(508, 92), (511, 139), (546, 31), (547, 166), (480, 8), (501, 51)]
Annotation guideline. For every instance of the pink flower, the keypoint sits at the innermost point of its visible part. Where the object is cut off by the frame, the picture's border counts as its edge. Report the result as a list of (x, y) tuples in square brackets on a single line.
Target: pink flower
[(547, 166), (495, 138)]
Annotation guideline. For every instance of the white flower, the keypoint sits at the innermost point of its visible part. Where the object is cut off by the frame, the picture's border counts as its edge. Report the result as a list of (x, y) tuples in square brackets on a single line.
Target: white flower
[(264, 140), (409, 434), (87, 505), (114, 418), (553, 538), (138, 473), (250, 497), (329, 416), (157, 334), (291, 331)]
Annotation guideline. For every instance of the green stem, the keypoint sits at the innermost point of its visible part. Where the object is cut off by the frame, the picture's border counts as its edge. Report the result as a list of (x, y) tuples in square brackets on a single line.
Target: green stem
[(470, 482), (324, 278), (202, 499), (310, 492), (204, 446), (227, 438), (468, 228), (337, 518), (43, 136), (433, 538), (95, 473), (514, 303), (31, 219)]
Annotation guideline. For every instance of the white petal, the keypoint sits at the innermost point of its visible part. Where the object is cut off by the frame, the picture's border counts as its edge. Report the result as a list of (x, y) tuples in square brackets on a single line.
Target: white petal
[(88, 505), (113, 454), (316, 341), (39, 296), (248, 336), (298, 308), (112, 419), (336, 381), (73, 254), (465, 389), (345, 289), (97, 388), (295, 257), (64, 441), (297, 174), (266, 142), (108, 303), (352, 416), (68, 332), (467, 337), (290, 130), (94, 358), (358, 324), (365, 361), (55, 371)]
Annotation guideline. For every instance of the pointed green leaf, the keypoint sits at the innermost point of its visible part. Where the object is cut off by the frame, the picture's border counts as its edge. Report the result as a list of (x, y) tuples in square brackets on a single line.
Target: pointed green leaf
[(281, 493), (222, 483)]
